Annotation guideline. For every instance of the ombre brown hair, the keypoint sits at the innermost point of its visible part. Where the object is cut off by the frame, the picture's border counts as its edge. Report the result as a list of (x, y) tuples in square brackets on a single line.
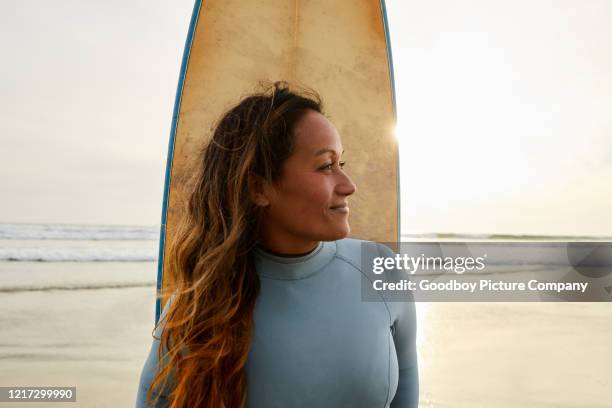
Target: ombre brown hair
[(208, 324)]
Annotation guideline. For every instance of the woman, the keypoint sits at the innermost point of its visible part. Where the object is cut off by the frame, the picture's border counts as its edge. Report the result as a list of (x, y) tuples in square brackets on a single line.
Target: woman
[(265, 308)]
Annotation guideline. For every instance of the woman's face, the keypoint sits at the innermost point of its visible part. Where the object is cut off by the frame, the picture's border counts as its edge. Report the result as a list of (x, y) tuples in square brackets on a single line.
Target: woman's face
[(309, 203)]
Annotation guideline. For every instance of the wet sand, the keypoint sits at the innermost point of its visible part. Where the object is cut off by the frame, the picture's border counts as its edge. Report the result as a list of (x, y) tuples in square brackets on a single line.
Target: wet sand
[(96, 340), (471, 354), (515, 354)]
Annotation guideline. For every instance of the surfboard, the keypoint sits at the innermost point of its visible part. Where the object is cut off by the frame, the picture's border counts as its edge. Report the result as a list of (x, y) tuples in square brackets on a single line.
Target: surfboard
[(339, 48)]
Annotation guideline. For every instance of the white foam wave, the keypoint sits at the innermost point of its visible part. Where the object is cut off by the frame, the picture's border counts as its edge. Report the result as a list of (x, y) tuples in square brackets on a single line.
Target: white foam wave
[(78, 254), (77, 232)]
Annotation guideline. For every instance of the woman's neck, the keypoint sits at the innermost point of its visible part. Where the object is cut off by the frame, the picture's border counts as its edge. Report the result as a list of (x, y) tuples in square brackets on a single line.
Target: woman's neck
[(288, 255), (284, 245)]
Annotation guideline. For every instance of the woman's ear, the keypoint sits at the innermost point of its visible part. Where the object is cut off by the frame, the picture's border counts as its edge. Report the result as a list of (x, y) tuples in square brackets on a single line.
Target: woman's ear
[(259, 190)]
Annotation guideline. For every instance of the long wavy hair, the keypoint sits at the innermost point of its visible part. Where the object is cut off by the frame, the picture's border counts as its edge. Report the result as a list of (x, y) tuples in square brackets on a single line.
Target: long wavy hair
[(208, 326)]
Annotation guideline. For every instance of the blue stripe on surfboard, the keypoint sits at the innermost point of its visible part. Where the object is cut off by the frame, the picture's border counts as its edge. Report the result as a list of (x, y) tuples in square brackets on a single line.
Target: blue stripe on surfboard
[(177, 107), (392, 77)]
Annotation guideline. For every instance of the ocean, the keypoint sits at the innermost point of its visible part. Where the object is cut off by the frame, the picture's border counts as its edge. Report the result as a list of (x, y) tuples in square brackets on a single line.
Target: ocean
[(77, 307), (71, 257), (37, 257), (77, 243)]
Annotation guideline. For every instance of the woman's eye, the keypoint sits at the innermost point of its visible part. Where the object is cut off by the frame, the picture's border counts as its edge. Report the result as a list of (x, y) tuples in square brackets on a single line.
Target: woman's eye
[(329, 166)]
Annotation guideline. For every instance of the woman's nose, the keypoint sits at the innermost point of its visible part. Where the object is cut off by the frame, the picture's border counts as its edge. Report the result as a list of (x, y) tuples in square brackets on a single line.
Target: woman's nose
[(346, 186)]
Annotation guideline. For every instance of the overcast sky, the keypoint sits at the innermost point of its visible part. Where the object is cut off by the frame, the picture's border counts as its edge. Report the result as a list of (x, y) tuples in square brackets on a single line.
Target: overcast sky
[(505, 115), (504, 112)]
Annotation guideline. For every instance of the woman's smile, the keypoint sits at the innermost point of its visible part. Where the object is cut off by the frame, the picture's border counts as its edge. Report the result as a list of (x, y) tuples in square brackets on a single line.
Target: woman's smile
[(341, 210)]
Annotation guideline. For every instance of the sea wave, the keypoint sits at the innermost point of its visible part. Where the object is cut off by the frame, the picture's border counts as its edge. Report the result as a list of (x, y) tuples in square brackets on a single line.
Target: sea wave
[(78, 254), (78, 232), (68, 287)]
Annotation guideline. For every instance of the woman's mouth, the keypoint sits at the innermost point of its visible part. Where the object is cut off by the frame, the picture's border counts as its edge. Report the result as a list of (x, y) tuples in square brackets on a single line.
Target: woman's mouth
[(342, 208)]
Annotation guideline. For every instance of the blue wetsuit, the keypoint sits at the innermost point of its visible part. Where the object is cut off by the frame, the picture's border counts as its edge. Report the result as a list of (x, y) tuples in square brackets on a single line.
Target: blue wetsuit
[(316, 344)]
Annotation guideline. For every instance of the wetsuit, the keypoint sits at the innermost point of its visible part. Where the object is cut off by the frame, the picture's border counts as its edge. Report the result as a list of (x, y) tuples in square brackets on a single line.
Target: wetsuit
[(316, 343)]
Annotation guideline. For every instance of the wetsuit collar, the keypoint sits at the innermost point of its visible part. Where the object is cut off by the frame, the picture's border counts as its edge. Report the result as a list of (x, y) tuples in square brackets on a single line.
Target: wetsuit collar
[(293, 267)]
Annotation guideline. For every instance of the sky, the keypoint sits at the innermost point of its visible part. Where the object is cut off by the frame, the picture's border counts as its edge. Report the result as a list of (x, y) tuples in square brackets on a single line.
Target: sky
[(503, 112), (504, 115)]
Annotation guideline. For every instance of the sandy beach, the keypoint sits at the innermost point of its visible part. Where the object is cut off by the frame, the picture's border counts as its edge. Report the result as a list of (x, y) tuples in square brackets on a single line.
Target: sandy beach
[(515, 354), (471, 354), (96, 340)]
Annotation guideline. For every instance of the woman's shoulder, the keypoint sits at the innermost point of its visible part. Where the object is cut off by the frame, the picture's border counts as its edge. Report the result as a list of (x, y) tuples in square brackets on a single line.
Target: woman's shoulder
[(360, 252), (354, 247)]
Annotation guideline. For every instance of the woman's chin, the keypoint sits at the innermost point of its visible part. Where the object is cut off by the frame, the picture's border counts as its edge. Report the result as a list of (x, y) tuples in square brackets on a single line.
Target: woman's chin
[(341, 232)]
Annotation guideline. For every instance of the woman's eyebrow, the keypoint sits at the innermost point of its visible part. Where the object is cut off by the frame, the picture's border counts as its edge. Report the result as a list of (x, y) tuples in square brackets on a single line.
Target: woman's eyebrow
[(326, 150)]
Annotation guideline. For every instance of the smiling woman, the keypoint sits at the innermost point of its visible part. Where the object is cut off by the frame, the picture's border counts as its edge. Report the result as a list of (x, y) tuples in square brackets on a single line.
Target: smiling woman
[(309, 203), (265, 308)]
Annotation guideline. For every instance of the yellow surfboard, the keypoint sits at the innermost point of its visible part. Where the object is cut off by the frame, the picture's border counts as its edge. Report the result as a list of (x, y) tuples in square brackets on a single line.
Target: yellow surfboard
[(339, 48)]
